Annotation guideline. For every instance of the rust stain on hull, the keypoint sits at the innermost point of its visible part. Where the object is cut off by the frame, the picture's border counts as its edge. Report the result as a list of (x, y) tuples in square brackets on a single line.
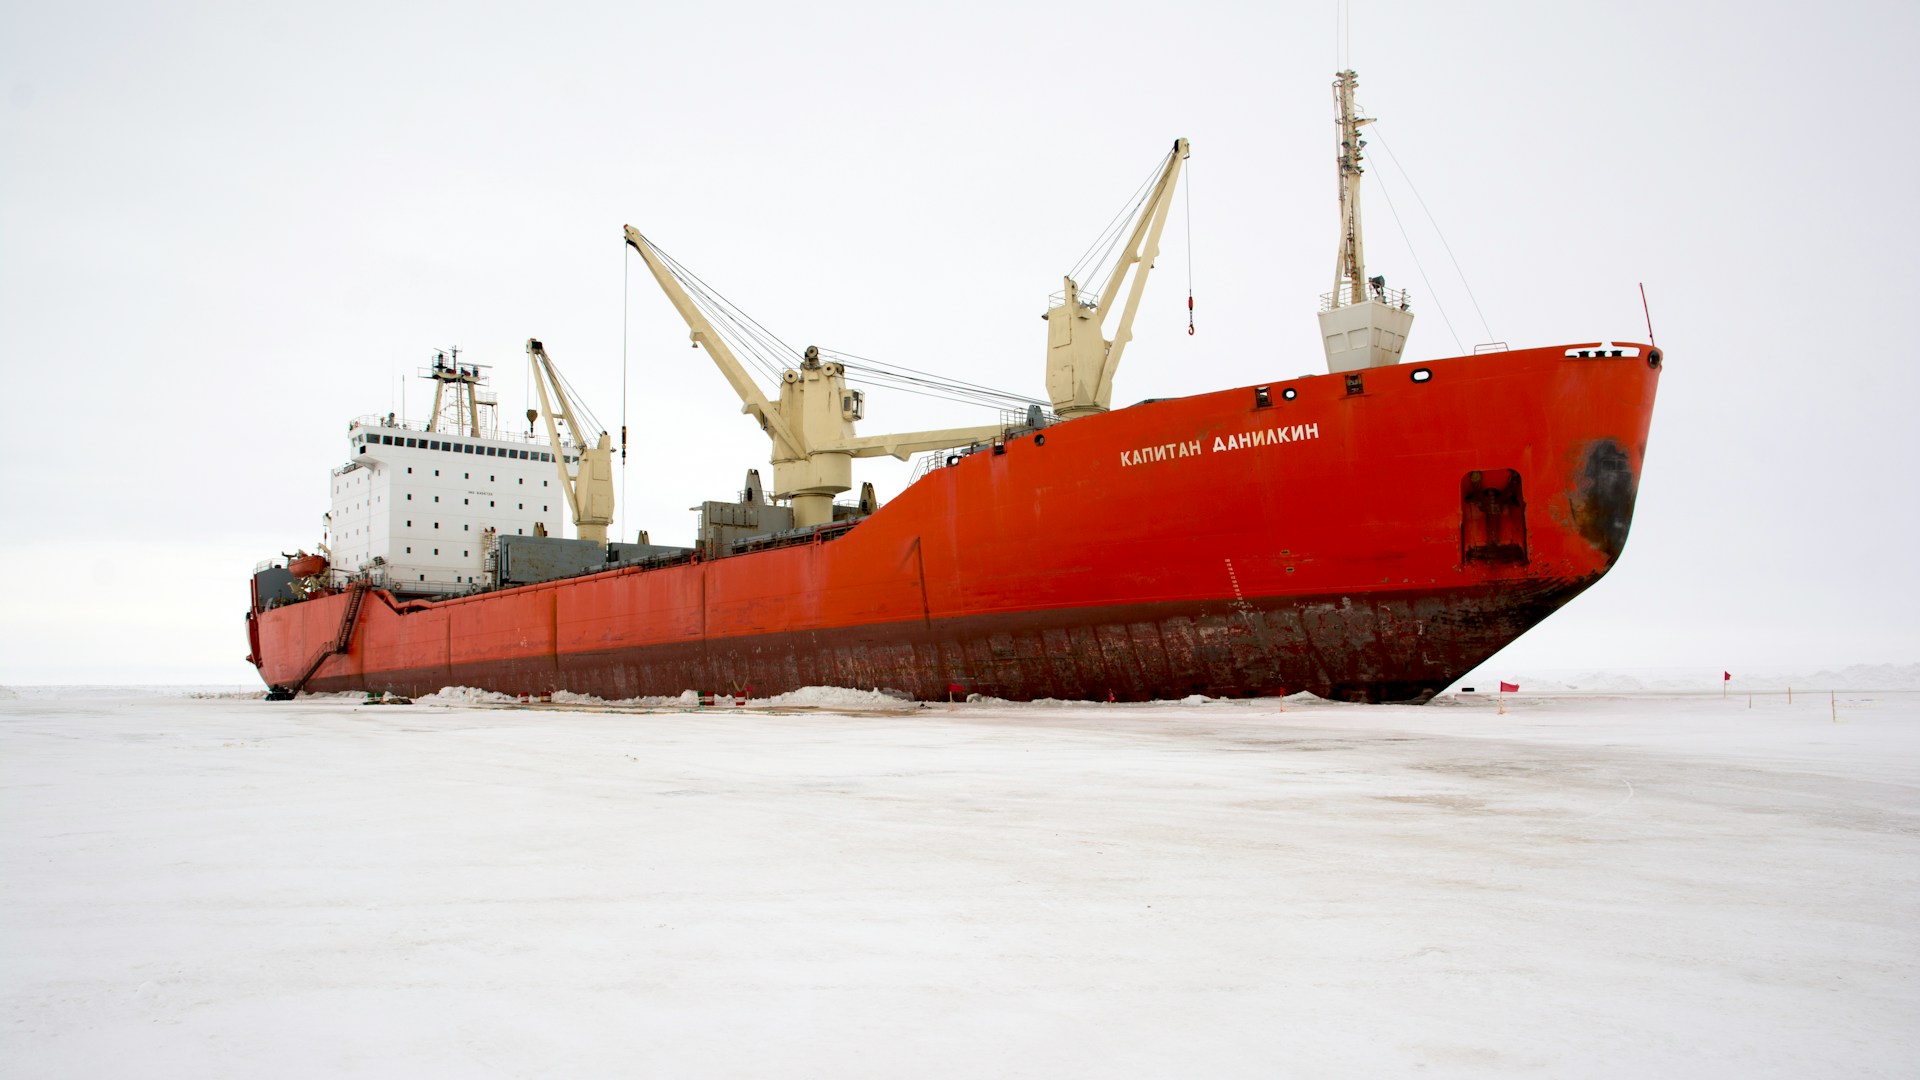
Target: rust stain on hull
[(1386, 648)]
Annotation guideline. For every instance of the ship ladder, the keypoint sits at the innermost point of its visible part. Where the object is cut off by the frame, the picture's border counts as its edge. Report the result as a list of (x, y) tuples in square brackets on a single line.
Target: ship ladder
[(356, 595)]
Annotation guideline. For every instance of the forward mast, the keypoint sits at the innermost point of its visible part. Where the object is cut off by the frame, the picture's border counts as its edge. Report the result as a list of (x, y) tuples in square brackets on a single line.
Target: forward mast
[(1363, 323)]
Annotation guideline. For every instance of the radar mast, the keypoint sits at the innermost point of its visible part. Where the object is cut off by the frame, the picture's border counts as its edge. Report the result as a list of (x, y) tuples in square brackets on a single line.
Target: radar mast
[(1362, 322)]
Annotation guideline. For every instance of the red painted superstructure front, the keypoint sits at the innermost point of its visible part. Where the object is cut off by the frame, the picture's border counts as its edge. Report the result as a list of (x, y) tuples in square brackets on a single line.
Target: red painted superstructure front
[(1153, 551)]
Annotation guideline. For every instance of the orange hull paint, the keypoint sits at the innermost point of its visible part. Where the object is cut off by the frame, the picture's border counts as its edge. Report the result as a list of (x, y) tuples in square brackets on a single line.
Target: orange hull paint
[(1376, 548)]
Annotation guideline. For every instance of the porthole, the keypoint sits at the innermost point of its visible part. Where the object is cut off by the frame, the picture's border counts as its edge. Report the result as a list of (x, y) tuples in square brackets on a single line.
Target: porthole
[(1289, 393), (1039, 440), (1653, 358), (1421, 374)]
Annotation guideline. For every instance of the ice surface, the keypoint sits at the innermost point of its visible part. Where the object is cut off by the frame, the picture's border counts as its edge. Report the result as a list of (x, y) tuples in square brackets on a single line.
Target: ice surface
[(1583, 886), (1701, 680), (464, 695), (836, 697)]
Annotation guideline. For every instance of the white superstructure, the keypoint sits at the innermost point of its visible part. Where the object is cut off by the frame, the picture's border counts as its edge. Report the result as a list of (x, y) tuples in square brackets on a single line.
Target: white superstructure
[(420, 508)]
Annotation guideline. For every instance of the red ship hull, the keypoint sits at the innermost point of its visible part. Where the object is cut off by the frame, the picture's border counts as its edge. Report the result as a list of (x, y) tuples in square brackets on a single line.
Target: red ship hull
[(1367, 543)]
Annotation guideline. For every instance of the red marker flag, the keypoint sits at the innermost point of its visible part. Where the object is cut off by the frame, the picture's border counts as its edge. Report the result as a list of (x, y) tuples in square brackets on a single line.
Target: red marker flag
[(1726, 676), (1509, 687)]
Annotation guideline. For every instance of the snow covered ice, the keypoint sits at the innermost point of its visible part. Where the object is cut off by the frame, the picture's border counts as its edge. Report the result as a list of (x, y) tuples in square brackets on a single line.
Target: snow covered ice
[(1584, 886)]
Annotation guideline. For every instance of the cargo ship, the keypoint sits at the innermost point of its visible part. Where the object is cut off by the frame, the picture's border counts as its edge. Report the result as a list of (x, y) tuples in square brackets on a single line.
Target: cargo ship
[(1368, 534)]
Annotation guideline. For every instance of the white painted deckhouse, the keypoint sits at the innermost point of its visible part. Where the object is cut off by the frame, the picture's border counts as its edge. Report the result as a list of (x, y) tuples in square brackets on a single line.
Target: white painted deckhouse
[(419, 507)]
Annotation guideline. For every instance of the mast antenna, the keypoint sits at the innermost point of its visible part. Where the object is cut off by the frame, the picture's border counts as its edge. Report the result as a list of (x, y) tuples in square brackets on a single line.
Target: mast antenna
[(1362, 322)]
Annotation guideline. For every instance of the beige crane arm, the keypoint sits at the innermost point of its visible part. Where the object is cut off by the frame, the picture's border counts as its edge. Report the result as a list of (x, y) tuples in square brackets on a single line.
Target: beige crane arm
[(812, 423), (909, 443), (590, 488), (1081, 361), (753, 402), (1152, 223)]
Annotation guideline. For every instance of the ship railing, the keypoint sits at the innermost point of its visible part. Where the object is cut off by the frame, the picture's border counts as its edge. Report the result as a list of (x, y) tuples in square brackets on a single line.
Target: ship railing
[(813, 534), (376, 420), (1398, 298), (1013, 424), (934, 460), (377, 577), (657, 562), (1017, 422), (1088, 299)]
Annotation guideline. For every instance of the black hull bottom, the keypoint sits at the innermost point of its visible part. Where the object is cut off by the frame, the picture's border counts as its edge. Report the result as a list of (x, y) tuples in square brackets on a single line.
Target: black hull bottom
[(1392, 647)]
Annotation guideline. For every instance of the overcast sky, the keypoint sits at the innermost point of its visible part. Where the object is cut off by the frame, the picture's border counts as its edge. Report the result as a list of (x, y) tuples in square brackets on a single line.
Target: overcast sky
[(225, 231)]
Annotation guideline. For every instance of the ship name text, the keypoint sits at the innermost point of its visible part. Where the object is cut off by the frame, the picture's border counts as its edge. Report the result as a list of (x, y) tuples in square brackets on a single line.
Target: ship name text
[(1163, 452), (1272, 436)]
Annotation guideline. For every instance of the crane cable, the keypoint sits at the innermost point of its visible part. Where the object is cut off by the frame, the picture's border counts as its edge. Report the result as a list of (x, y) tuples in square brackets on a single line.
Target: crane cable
[(1408, 177), (773, 356), (765, 350), (925, 384), (1417, 265), (1092, 268), (626, 268), (1188, 192)]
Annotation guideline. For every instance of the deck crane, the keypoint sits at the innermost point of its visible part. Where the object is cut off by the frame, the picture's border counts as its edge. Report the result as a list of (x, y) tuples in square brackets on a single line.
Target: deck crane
[(812, 424), (590, 487), (1081, 360)]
